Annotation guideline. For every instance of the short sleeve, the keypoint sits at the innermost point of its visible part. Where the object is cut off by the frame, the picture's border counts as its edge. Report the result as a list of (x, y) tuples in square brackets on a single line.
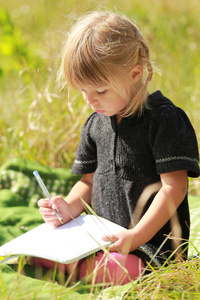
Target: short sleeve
[(86, 156), (173, 141)]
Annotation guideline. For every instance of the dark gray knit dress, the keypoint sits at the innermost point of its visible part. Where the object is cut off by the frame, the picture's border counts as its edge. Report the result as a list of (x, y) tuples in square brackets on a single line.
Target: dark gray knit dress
[(128, 159)]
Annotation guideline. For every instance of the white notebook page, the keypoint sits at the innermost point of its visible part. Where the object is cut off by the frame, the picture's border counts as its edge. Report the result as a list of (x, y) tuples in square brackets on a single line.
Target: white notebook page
[(67, 243)]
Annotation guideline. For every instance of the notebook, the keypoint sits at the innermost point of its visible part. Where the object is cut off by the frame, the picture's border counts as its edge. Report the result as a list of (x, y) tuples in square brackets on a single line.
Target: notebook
[(65, 244)]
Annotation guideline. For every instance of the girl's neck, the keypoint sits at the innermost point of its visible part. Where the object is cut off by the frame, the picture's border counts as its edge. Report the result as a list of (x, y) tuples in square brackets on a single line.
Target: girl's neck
[(118, 119)]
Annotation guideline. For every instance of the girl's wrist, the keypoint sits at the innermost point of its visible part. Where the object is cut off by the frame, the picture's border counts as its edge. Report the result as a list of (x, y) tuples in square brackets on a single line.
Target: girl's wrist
[(136, 239)]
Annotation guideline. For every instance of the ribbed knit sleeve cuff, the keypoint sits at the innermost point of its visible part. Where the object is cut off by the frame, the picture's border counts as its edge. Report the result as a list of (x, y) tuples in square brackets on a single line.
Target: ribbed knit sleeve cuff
[(84, 167), (177, 163)]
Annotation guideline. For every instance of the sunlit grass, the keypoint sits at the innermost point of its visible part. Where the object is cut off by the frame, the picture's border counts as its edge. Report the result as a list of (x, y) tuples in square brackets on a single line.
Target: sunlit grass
[(37, 116), (177, 281)]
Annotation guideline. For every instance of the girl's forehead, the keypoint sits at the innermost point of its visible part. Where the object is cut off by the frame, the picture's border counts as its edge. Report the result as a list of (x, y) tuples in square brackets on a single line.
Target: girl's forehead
[(94, 86)]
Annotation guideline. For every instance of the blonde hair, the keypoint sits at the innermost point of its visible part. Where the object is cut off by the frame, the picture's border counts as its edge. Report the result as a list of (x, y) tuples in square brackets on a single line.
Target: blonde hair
[(96, 46)]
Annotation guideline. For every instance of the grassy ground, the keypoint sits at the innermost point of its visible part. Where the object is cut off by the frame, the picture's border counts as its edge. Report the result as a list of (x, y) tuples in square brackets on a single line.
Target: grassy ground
[(177, 281), (39, 123)]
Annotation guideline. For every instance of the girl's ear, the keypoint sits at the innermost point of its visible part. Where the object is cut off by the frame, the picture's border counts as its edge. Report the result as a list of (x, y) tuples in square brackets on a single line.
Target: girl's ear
[(136, 73)]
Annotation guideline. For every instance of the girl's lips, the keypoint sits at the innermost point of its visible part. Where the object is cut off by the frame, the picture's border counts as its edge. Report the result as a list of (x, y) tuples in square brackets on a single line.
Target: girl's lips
[(100, 111)]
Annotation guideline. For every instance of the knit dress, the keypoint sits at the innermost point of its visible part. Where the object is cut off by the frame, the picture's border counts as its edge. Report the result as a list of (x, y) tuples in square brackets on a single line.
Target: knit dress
[(128, 159)]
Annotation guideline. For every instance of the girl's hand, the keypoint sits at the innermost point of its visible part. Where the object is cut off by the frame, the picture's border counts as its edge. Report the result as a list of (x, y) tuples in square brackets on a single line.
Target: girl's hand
[(47, 209), (122, 241)]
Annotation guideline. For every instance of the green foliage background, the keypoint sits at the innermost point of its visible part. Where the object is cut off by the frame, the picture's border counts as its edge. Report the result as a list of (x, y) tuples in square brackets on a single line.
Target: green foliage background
[(37, 121)]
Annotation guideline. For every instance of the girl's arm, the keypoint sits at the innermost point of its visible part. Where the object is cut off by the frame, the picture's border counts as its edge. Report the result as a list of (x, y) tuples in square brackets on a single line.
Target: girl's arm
[(165, 203), (72, 206)]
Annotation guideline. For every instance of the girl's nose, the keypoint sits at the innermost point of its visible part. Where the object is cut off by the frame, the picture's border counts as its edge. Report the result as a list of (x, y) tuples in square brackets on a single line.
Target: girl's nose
[(90, 100)]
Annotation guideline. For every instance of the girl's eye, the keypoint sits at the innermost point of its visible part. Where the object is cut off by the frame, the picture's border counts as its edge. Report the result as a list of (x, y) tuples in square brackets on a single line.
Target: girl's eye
[(101, 93)]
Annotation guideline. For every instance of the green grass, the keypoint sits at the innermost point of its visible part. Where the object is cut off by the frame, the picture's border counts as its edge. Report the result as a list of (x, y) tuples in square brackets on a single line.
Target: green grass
[(38, 123), (36, 116), (177, 281)]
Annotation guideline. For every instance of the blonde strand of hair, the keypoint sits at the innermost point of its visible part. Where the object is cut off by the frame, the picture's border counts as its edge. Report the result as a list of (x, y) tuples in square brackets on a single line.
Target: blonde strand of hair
[(145, 57)]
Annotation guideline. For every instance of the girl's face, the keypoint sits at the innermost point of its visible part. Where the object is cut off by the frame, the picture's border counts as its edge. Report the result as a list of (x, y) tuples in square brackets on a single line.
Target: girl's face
[(103, 99)]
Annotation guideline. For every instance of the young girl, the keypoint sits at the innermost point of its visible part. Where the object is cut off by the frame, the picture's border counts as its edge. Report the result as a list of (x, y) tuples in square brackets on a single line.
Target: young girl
[(135, 154)]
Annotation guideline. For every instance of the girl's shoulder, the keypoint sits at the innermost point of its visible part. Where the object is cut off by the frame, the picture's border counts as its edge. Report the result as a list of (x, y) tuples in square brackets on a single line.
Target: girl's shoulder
[(163, 109), (95, 119), (157, 102), (171, 136), (95, 123), (91, 120)]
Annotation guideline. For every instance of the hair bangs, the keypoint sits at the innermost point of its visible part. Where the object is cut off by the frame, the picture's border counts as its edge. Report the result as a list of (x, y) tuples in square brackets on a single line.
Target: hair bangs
[(85, 66)]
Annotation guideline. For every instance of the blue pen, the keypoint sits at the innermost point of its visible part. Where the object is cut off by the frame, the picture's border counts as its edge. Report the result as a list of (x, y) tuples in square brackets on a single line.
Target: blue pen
[(43, 187)]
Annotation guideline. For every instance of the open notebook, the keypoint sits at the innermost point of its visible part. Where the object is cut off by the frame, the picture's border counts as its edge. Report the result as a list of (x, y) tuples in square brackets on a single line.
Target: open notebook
[(65, 244)]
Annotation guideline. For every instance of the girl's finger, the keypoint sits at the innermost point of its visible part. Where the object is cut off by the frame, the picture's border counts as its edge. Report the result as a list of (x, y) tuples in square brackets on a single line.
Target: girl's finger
[(113, 248), (53, 222), (110, 237), (47, 211), (48, 218), (44, 203)]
